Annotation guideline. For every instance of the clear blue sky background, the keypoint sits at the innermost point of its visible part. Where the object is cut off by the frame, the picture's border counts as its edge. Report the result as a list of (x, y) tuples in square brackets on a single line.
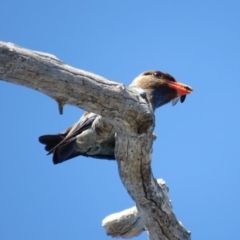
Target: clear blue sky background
[(197, 150)]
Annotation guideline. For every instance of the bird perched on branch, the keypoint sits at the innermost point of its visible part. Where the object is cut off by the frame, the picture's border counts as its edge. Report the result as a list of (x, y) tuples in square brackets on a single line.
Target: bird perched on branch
[(159, 88)]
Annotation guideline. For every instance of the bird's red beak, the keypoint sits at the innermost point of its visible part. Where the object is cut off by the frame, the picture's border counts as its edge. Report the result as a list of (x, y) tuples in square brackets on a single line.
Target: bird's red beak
[(181, 89)]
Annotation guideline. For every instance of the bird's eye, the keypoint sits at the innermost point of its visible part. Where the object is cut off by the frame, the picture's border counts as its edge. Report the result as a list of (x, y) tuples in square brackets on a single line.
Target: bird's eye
[(157, 74)]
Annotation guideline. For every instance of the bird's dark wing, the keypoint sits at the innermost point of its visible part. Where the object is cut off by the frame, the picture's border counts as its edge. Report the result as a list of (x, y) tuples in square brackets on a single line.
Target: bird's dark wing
[(77, 129), (79, 140), (62, 145)]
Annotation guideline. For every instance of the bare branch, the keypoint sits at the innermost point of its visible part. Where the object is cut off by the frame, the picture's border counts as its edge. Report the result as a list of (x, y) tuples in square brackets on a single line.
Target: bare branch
[(128, 223), (125, 224), (67, 85), (153, 205), (122, 111)]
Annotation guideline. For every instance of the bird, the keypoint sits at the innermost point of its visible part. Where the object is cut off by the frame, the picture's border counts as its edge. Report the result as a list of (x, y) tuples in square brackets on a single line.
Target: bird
[(158, 88)]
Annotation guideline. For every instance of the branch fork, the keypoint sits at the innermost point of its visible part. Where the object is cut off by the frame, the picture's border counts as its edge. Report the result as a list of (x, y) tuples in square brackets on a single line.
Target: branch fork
[(122, 112)]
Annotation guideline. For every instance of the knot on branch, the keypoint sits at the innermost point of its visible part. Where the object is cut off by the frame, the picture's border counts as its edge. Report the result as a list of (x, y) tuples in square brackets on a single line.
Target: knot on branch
[(61, 103), (145, 122)]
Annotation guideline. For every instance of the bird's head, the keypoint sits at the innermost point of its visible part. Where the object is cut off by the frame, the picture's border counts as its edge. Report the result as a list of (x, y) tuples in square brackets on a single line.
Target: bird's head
[(160, 88)]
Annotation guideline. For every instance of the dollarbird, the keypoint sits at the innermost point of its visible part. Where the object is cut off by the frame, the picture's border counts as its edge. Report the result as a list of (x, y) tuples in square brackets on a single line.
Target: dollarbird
[(156, 87)]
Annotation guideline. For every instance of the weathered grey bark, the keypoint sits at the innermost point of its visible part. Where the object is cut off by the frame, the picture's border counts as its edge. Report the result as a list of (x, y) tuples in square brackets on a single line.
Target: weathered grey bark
[(122, 111), (128, 223)]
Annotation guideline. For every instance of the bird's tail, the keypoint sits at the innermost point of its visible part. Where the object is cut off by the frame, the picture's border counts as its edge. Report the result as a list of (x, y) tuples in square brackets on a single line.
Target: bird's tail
[(50, 141)]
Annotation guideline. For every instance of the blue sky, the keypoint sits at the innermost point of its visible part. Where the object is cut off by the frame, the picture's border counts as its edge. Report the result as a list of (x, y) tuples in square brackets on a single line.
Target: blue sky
[(197, 149)]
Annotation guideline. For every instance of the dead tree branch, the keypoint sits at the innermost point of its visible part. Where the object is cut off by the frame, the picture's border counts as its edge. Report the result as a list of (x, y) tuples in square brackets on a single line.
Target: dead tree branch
[(127, 114)]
